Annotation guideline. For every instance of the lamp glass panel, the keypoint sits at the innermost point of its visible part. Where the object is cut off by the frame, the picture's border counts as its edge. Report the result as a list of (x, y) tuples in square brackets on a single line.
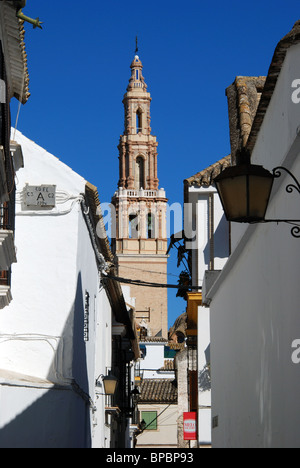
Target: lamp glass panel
[(233, 193), (110, 385), (259, 194)]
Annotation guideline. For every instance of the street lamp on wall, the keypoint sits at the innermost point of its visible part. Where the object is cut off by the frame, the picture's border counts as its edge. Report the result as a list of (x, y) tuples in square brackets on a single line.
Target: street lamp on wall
[(245, 191), (110, 383)]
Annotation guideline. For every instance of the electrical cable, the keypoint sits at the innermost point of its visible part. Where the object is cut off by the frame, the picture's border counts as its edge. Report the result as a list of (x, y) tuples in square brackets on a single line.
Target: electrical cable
[(155, 419), (147, 284), (151, 271)]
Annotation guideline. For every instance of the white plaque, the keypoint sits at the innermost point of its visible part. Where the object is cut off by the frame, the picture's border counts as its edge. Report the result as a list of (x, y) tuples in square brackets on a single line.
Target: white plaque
[(40, 195)]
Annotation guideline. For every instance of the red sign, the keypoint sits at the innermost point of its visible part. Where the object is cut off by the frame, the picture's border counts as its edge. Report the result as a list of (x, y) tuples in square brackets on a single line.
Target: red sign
[(190, 426)]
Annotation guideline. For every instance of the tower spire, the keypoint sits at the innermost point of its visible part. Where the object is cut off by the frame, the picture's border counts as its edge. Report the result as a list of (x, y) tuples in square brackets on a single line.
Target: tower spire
[(136, 45)]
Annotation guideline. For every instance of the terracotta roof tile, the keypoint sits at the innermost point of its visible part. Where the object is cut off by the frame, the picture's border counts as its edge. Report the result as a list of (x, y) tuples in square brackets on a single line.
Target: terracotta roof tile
[(153, 339), (206, 177), (168, 365), (243, 99), (158, 391), (249, 98), (14, 48), (292, 38)]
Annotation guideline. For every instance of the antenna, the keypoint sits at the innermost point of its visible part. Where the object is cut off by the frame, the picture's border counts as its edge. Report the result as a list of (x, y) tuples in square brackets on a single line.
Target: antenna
[(136, 45)]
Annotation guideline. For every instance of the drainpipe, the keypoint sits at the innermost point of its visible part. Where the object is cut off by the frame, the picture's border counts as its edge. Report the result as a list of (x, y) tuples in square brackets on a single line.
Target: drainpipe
[(19, 4)]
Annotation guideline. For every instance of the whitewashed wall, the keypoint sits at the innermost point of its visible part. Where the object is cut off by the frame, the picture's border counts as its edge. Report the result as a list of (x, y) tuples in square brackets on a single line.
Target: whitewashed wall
[(42, 329), (154, 360), (197, 220), (206, 254), (255, 306)]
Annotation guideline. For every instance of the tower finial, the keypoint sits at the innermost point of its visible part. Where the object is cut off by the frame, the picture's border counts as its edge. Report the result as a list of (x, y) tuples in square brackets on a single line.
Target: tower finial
[(136, 45)]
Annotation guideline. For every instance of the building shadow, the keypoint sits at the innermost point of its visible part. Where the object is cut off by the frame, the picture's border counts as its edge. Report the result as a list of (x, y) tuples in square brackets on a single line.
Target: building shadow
[(55, 416)]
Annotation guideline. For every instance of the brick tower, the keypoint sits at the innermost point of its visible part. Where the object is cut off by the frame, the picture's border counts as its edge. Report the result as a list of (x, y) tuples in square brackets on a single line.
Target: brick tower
[(140, 243)]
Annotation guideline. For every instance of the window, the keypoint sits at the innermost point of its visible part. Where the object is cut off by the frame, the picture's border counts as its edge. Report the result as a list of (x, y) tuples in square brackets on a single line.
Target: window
[(151, 226), (137, 74), (133, 226), (140, 172), (169, 353), (150, 418), (143, 350), (193, 390), (139, 126)]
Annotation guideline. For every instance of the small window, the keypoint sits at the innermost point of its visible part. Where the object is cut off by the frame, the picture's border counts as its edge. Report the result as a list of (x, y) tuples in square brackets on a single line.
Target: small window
[(151, 226), (137, 75), (139, 126), (140, 172), (169, 353), (150, 418), (133, 227), (143, 350)]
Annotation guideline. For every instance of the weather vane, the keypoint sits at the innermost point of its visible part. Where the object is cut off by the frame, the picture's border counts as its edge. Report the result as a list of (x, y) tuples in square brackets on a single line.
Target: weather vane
[(136, 45)]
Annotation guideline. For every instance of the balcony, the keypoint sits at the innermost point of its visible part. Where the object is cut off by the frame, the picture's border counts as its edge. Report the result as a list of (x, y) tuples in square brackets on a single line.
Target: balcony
[(7, 245), (5, 292), (124, 193), (3, 179), (7, 251)]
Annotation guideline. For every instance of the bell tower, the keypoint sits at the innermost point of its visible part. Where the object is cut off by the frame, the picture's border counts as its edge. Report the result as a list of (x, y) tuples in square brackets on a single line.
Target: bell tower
[(140, 243)]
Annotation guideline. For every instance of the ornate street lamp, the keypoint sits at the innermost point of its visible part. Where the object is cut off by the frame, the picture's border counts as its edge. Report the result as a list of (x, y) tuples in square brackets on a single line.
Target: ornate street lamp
[(245, 191)]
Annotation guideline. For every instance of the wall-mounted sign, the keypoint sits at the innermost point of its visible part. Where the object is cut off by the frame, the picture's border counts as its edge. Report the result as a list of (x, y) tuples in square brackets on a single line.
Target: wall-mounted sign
[(40, 195), (190, 426)]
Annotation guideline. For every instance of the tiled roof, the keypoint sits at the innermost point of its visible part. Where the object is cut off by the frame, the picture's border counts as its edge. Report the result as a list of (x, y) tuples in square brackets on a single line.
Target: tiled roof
[(153, 339), (292, 38), (94, 203), (206, 177), (249, 98), (179, 325), (113, 288), (158, 391), (14, 50), (176, 346), (168, 365), (243, 99)]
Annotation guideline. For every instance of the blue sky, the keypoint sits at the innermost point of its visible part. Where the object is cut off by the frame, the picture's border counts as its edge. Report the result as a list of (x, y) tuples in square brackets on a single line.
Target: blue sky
[(191, 51)]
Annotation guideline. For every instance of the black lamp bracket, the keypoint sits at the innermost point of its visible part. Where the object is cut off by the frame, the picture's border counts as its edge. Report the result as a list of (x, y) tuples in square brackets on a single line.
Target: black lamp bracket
[(290, 188)]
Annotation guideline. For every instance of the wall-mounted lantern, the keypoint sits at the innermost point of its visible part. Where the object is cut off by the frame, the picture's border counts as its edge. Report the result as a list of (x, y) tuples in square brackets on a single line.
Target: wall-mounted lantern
[(110, 383), (245, 191)]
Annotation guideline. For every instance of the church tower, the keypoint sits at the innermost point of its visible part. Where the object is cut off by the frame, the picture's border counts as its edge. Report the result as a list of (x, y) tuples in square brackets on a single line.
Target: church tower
[(140, 243)]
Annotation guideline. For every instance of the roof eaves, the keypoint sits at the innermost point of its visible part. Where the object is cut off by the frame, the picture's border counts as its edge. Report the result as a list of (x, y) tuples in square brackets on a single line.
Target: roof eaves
[(292, 38), (92, 196), (159, 391), (206, 177), (13, 33)]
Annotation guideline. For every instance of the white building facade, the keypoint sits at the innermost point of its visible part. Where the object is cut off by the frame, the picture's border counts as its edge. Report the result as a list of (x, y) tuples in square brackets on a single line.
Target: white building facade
[(254, 303), (158, 402), (56, 335), (207, 240), (14, 80)]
